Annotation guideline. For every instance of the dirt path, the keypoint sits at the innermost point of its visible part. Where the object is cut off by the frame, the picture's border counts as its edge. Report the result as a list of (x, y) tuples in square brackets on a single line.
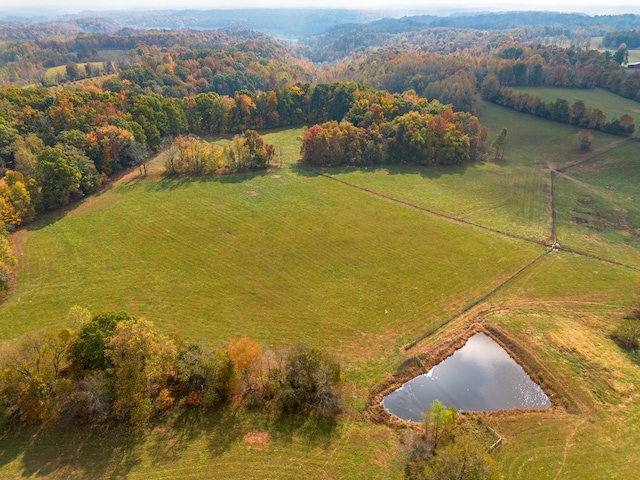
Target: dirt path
[(567, 445)]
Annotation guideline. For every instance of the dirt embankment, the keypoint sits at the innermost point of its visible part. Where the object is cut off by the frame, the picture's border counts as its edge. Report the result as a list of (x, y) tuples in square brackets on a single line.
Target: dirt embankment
[(422, 361)]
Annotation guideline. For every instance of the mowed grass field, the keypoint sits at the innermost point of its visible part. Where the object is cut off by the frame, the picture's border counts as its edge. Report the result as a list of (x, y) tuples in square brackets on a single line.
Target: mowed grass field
[(350, 261), (613, 106)]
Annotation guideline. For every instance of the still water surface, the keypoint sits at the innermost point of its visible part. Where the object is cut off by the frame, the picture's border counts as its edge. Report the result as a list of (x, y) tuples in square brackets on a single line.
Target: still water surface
[(479, 376)]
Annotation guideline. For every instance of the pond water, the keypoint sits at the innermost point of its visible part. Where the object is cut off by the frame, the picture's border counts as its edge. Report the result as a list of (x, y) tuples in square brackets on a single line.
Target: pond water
[(479, 376)]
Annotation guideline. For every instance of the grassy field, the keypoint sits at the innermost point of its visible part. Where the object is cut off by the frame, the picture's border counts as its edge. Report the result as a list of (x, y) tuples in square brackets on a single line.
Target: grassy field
[(598, 209), (563, 309), (54, 73), (634, 55), (613, 106), (356, 266)]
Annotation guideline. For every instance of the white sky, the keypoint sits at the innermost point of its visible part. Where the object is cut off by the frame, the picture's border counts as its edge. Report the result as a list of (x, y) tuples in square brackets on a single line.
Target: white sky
[(426, 6)]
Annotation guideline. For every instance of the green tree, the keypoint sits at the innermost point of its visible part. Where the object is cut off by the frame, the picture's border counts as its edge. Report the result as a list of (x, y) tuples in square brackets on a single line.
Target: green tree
[(204, 373), (58, 177), (585, 139), (73, 72), (141, 359), (311, 382), (622, 55), (438, 422), (499, 144), (490, 88), (446, 450), (463, 459), (87, 352)]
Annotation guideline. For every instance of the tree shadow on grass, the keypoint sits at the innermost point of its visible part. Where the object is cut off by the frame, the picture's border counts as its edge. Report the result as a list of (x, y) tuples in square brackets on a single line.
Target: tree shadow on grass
[(113, 451), (225, 426), (221, 427), (91, 452), (174, 182), (313, 429), (633, 355), (431, 172)]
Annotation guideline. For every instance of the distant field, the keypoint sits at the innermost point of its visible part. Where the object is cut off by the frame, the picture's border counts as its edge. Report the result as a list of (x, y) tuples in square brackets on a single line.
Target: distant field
[(292, 255), (634, 55), (54, 73), (612, 105), (534, 141), (598, 205)]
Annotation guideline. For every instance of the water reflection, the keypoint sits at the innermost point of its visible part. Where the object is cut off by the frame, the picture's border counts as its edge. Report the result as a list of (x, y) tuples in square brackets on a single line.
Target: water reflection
[(479, 376)]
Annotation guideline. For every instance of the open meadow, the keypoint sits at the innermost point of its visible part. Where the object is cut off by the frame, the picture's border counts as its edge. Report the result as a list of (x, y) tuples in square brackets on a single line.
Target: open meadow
[(612, 105), (359, 262), (54, 74)]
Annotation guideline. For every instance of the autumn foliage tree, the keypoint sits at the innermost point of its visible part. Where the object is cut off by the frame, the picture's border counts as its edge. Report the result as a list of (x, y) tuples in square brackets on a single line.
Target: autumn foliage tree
[(444, 448), (246, 356), (141, 359), (16, 206), (7, 259)]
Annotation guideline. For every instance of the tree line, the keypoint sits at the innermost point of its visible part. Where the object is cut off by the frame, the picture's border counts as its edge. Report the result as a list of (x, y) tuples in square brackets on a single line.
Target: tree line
[(630, 38), (65, 144), (113, 367), (429, 134), (578, 113), (60, 145)]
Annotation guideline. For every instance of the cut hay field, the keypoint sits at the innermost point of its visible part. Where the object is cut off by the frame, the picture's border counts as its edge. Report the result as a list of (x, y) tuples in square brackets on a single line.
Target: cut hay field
[(359, 262), (612, 105)]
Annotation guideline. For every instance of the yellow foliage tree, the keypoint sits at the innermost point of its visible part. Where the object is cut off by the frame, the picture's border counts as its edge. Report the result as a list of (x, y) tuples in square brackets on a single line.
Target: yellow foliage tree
[(141, 359), (16, 206), (246, 356)]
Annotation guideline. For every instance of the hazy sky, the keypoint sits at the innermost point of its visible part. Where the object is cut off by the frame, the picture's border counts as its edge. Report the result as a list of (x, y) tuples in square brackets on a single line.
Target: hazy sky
[(590, 6)]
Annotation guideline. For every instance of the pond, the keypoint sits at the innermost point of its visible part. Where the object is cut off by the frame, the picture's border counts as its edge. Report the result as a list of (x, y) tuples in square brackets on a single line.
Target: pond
[(479, 376)]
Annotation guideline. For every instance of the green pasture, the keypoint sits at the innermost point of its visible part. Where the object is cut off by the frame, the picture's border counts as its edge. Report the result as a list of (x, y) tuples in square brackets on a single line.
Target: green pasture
[(292, 255), (612, 105), (534, 141), (497, 195), (634, 55), (281, 256), (598, 209), (564, 308)]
